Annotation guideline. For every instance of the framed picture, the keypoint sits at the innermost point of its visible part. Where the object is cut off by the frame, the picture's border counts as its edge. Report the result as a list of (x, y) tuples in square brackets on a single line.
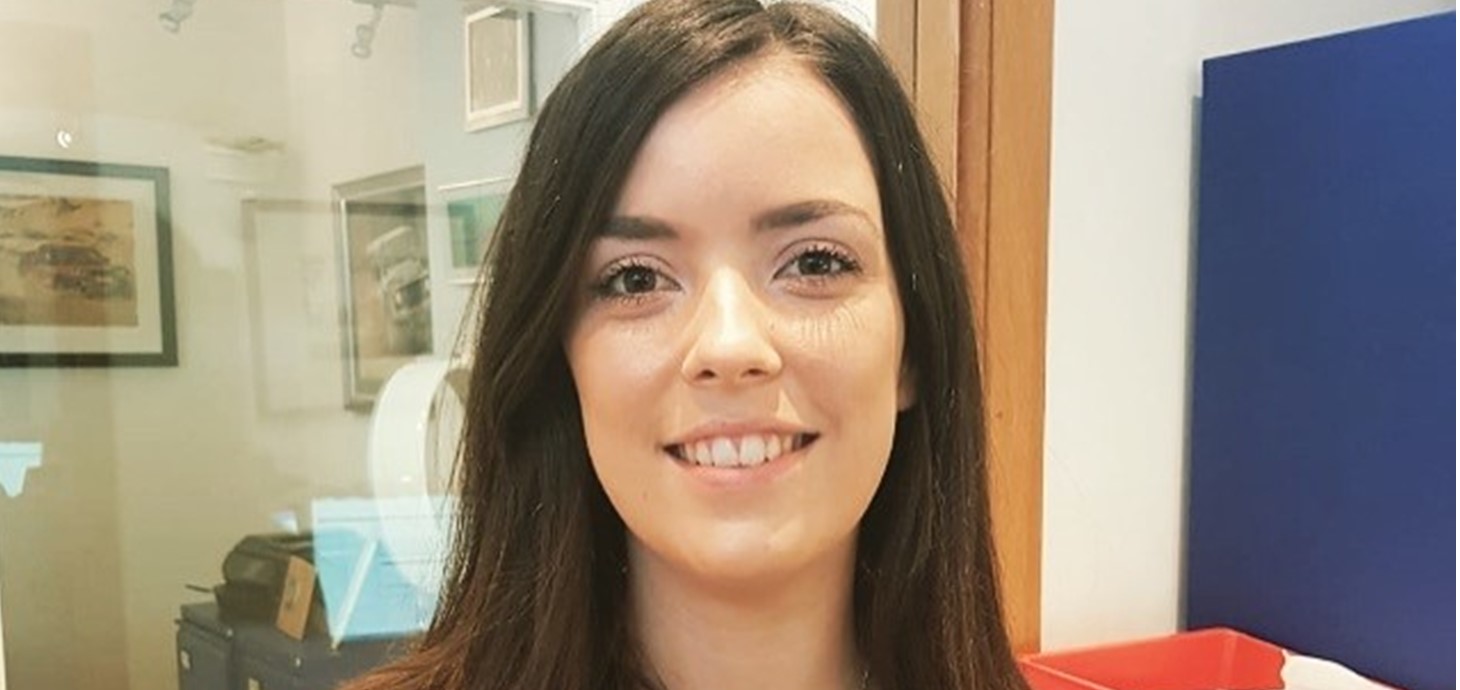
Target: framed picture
[(290, 261), (498, 60), (472, 210), (85, 265), (385, 286)]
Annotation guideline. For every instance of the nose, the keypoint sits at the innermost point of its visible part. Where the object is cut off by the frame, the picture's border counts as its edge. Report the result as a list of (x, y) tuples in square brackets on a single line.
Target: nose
[(730, 335)]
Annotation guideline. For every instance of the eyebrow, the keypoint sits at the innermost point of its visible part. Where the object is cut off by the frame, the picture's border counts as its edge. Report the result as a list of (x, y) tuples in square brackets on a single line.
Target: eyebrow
[(799, 213)]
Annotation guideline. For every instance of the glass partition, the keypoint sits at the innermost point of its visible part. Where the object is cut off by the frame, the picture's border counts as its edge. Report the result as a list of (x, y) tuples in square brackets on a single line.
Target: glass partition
[(238, 240)]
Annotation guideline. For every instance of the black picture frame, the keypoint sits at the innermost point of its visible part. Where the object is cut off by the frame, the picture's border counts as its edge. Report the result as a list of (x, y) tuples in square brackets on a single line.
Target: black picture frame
[(86, 271)]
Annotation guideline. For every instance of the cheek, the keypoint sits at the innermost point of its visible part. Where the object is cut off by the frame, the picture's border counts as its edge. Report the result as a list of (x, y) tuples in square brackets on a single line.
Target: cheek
[(608, 356), (854, 352), (616, 372)]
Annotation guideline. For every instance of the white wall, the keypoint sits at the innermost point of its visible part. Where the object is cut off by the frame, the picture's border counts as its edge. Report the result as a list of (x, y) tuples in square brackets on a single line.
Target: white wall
[(1126, 73), (862, 12), (2, 650)]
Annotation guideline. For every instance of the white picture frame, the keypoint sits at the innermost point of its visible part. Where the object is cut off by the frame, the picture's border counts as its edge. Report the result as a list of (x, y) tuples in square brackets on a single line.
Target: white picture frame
[(291, 272), (473, 209), (497, 66)]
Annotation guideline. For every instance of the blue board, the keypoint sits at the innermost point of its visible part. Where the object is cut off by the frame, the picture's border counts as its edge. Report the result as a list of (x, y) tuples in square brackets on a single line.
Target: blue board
[(1322, 469)]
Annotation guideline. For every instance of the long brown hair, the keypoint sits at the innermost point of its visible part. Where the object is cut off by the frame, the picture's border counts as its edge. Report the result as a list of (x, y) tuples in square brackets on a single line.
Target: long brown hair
[(535, 596)]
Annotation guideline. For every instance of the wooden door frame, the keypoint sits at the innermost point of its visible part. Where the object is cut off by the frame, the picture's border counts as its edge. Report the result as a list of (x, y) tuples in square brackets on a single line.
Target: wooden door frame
[(980, 73)]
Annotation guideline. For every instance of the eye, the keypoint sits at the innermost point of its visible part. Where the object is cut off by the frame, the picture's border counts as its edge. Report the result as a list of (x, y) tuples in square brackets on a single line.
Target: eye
[(634, 279), (820, 262), (630, 280)]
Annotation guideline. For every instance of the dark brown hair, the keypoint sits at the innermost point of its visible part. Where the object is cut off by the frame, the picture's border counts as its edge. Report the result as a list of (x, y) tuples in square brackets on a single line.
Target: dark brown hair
[(535, 597)]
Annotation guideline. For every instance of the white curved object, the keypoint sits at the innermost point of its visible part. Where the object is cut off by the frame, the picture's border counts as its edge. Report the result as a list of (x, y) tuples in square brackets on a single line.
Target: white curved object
[(413, 523), (15, 459), (1308, 673)]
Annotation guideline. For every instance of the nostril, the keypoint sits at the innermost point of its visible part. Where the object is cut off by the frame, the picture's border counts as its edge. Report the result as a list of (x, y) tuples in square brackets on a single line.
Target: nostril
[(711, 374)]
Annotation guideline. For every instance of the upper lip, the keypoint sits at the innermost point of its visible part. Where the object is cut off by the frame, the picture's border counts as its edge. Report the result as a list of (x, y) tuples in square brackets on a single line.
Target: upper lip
[(725, 428)]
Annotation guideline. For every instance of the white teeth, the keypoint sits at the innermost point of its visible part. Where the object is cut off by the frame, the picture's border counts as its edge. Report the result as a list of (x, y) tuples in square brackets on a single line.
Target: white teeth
[(745, 451), (752, 451), (725, 454)]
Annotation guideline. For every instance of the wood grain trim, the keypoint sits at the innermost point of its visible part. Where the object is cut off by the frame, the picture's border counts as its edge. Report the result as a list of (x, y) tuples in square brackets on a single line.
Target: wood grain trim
[(936, 75), (1017, 276), (971, 207), (897, 22)]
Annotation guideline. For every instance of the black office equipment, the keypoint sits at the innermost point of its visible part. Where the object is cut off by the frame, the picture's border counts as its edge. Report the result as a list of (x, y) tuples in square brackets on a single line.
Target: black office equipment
[(214, 655)]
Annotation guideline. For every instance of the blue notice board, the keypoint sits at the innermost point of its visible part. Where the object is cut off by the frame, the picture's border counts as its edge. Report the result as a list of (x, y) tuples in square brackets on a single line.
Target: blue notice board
[(1322, 468)]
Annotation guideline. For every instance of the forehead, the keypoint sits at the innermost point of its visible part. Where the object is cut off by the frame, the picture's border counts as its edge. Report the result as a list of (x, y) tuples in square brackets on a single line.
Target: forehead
[(761, 135)]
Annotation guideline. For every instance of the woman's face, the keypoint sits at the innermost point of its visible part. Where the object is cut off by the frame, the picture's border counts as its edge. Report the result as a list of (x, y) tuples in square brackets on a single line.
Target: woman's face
[(737, 348)]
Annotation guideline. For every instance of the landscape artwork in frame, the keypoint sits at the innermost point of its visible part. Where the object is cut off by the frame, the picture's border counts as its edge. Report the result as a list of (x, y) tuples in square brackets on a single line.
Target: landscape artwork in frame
[(472, 210), (385, 279), (85, 265)]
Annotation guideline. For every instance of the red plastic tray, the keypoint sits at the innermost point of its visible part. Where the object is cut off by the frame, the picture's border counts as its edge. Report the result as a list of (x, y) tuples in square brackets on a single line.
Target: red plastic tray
[(1212, 659)]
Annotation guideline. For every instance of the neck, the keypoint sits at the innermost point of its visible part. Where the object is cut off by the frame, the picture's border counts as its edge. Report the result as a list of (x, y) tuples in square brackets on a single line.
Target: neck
[(790, 632)]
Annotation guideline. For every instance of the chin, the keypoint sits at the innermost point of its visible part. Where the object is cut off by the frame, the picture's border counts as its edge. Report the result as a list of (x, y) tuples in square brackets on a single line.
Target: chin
[(749, 555)]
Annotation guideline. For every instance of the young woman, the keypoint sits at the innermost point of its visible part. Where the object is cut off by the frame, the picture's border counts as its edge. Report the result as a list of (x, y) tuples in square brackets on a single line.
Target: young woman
[(723, 429)]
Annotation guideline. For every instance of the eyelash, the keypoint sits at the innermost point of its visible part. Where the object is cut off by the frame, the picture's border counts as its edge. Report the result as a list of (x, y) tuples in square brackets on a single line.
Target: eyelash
[(848, 262), (604, 289)]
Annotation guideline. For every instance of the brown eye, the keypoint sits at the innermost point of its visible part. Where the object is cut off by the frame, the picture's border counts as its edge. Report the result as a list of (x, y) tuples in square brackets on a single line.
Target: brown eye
[(631, 281), (816, 263), (637, 279), (821, 263)]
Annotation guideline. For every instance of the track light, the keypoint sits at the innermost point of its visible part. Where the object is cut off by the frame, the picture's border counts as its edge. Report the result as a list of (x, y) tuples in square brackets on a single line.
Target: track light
[(365, 33)]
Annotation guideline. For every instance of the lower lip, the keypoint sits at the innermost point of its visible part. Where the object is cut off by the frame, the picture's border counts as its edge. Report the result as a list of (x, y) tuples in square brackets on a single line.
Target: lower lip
[(743, 477)]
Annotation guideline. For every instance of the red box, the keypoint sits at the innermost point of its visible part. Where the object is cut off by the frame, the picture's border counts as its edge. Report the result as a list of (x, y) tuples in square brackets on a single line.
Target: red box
[(1212, 659)]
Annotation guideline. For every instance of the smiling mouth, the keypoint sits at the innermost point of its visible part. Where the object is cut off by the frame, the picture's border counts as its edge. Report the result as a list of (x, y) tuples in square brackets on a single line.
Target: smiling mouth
[(740, 452)]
